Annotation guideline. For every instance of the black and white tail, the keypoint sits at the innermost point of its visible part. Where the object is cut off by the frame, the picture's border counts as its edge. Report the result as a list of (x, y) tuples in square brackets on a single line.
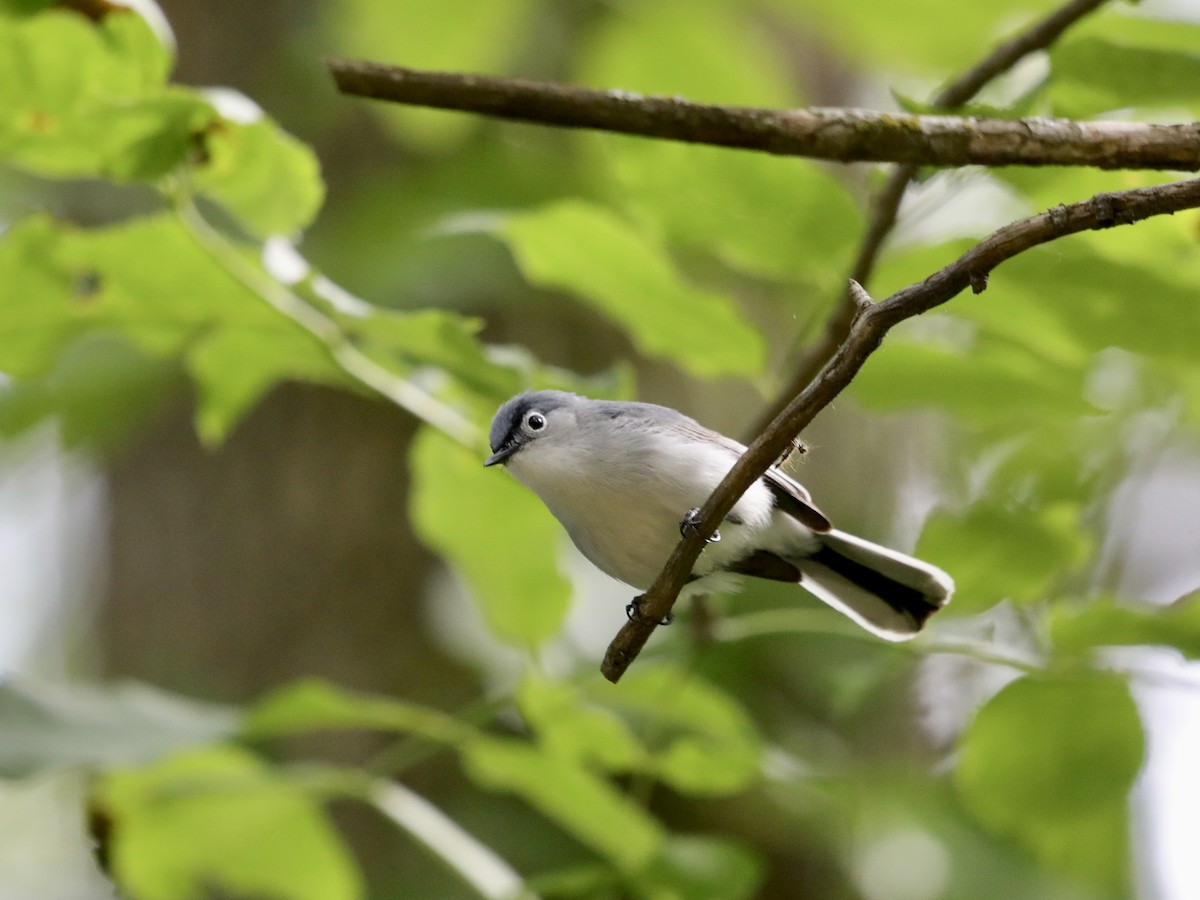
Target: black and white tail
[(888, 593)]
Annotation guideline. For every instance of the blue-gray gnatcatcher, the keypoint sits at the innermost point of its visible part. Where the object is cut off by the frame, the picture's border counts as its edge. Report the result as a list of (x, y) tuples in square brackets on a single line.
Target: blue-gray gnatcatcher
[(623, 478)]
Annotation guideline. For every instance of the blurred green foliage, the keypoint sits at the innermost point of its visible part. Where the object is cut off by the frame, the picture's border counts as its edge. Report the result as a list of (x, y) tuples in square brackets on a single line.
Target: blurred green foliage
[(715, 262)]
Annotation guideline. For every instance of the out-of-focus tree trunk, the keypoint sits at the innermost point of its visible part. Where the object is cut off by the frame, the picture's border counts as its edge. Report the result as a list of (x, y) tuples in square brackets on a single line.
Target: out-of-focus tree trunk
[(286, 552)]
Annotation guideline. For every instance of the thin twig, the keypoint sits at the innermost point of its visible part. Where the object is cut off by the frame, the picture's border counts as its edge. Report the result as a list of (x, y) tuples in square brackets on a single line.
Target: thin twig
[(866, 334), (843, 135), (476, 863), (809, 620), (886, 207), (342, 351)]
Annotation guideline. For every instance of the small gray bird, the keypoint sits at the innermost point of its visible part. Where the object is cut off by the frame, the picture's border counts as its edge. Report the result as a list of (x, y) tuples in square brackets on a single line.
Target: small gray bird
[(624, 478)]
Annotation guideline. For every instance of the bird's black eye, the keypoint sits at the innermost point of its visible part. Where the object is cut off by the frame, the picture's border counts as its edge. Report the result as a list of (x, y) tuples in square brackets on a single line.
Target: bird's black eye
[(535, 421)]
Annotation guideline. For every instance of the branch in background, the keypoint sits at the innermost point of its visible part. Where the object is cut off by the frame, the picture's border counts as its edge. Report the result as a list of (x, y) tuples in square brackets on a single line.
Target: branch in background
[(843, 135), (886, 206), (866, 334)]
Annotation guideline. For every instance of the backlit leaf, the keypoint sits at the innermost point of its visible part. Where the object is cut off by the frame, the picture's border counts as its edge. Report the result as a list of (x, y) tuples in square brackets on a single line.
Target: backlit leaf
[(495, 532), (642, 47), (1061, 789), (450, 35), (220, 818), (1092, 75), (585, 249), (1106, 623), (314, 705), (267, 179), (696, 866), (1002, 552), (582, 803), (781, 219), (701, 740), (568, 725), (78, 98)]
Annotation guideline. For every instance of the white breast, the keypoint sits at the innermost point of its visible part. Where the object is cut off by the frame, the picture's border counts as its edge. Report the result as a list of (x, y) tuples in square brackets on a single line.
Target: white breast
[(622, 501)]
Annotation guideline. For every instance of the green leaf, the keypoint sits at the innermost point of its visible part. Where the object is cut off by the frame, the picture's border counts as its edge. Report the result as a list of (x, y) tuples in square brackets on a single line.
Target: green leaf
[(987, 382), (452, 35), (315, 705), (1107, 623), (1069, 301), (149, 281), (140, 141), (51, 726), (640, 47), (58, 61), (24, 7), (777, 218), (999, 553), (1050, 764), (662, 722), (1093, 75), (80, 99), (496, 532), (145, 279), (583, 248), (917, 36), (569, 726), (100, 389), (447, 341), (269, 181), (220, 818), (233, 369), (703, 867), (585, 805), (702, 742), (37, 317), (1103, 300), (1025, 349), (1154, 25)]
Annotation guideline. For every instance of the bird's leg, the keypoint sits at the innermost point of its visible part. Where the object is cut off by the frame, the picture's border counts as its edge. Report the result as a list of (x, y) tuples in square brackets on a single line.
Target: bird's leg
[(689, 527), (634, 611)]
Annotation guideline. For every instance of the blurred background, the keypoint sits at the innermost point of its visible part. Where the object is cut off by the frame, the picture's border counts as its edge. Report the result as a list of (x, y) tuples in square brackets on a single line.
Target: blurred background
[(132, 549)]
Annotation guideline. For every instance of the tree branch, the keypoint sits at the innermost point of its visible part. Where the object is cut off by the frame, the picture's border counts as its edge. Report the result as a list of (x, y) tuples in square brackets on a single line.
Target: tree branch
[(843, 135), (886, 206), (866, 334)]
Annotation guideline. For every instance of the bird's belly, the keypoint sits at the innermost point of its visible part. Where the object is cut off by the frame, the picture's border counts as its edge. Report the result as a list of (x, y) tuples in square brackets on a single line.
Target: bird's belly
[(627, 522), (633, 546)]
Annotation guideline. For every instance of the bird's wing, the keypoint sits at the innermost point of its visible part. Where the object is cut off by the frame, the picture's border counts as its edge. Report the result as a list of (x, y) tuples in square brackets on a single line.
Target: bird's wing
[(793, 499), (790, 495)]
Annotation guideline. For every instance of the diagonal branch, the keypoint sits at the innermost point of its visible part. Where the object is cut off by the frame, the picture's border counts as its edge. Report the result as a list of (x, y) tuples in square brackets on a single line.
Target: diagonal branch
[(866, 334), (843, 135), (886, 206)]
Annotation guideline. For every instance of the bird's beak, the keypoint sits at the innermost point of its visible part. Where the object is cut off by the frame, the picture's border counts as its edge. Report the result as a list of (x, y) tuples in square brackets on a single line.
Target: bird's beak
[(501, 455)]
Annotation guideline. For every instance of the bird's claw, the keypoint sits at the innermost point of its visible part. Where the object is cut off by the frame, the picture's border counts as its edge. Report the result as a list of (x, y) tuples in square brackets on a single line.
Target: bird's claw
[(689, 527), (634, 612)]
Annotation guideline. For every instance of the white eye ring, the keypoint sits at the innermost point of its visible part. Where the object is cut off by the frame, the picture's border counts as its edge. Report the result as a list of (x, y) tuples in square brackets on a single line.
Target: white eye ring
[(535, 421)]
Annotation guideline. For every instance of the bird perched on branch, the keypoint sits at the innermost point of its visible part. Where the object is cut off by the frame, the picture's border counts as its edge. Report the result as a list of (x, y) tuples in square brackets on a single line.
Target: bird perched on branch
[(625, 479)]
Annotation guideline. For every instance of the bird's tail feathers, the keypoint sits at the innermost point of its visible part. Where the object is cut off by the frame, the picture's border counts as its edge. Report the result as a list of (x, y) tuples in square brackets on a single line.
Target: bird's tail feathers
[(888, 593)]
